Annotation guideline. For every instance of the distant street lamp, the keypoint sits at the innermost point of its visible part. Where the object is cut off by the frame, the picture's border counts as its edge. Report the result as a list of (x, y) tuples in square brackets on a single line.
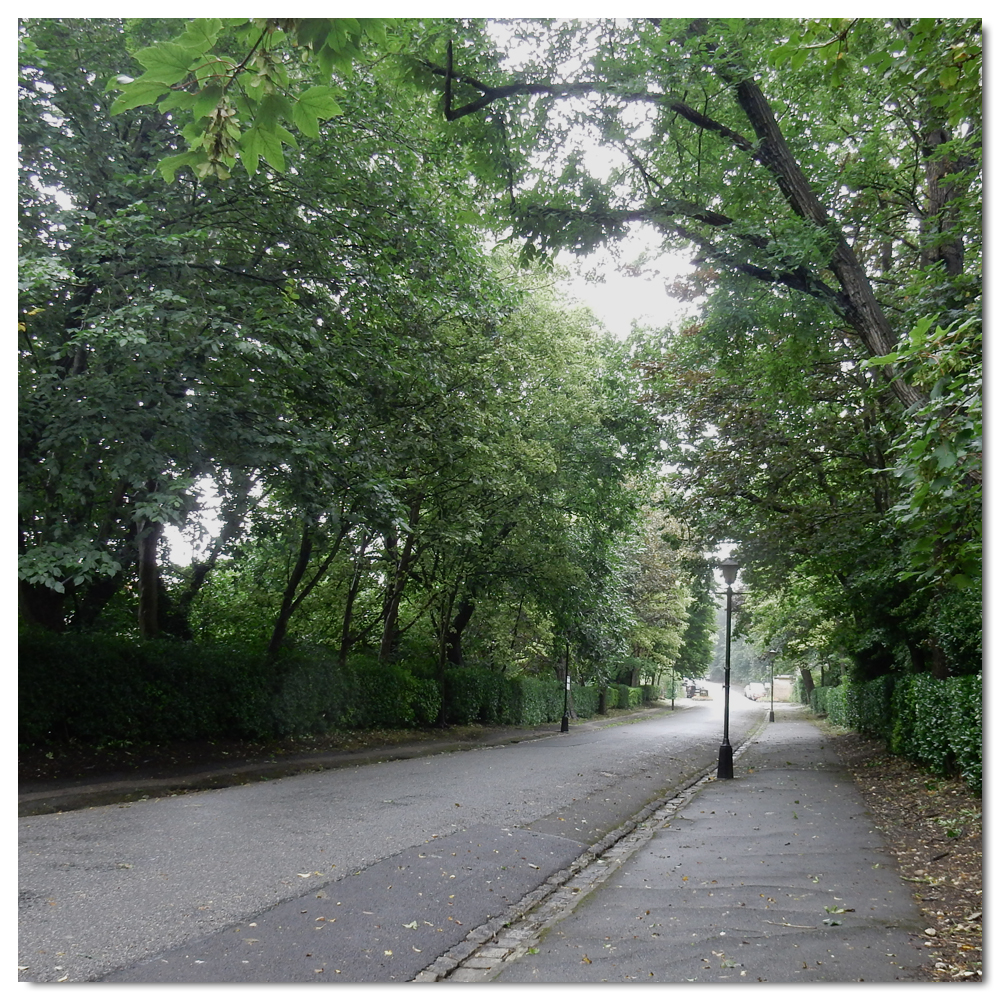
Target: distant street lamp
[(730, 567), (772, 655)]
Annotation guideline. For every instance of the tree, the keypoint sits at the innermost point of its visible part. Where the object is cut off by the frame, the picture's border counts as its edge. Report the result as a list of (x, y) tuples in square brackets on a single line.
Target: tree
[(140, 377), (825, 406), (864, 200)]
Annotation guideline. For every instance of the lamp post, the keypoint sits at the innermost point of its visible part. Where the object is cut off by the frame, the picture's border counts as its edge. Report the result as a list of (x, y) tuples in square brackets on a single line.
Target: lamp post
[(564, 728), (730, 567), (772, 654)]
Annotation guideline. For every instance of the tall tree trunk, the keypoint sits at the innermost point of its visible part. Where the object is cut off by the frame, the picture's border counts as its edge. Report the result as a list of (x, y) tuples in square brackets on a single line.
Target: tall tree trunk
[(346, 637), (234, 514), (453, 647), (280, 628), (808, 685), (390, 629), (292, 597), (861, 308), (149, 578)]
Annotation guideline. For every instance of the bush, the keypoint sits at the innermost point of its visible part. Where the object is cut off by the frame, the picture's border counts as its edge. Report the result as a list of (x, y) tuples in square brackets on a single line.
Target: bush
[(536, 700), (870, 707), (387, 696), (585, 700), (836, 704), (936, 723), (97, 688), (819, 700), (966, 728), (477, 694), (629, 697)]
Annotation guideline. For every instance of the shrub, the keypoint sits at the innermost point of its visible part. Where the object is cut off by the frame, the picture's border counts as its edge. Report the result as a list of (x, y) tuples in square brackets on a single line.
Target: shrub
[(836, 705), (966, 729), (387, 696), (536, 700), (827, 700), (97, 688), (936, 723), (870, 707), (585, 700)]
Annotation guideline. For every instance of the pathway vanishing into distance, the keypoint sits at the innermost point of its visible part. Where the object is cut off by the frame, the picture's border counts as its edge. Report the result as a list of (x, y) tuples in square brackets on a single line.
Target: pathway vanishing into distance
[(359, 874)]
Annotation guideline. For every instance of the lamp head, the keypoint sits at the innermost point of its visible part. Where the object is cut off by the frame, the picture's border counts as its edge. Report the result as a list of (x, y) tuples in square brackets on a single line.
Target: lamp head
[(730, 567)]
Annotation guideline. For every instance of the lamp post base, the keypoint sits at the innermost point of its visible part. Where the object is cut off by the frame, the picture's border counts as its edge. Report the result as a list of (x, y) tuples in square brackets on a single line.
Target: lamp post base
[(565, 724), (770, 717), (725, 761)]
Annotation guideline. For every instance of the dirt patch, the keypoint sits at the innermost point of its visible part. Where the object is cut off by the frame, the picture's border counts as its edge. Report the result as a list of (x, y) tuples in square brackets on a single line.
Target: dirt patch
[(934, 827), (65, 762)]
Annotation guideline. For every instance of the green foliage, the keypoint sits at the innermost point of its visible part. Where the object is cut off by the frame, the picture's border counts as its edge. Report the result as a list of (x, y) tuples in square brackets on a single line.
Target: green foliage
[(835, 701), (870, 706), (965, 726), (585, 700), (97, 688), (401, 431), (475, 694), (945, 55), (238, 101), (387, 696), (939, 724), (630, 697), (936, 723), (940, 453), (536, 700), (819, 700)]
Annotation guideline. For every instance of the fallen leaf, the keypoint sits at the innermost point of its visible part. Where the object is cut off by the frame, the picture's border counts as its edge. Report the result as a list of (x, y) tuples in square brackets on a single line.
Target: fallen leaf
[(413, 925)]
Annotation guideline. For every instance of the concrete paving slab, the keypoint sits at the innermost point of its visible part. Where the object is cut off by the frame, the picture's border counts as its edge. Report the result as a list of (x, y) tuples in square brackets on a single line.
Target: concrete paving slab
[(775, 876)]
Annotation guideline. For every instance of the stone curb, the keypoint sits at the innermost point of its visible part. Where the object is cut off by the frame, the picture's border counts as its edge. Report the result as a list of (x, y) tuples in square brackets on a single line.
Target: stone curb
[(509, 936)]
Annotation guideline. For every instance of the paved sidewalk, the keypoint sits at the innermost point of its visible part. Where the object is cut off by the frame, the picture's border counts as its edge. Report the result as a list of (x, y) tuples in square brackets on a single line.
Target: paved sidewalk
[(775, 876)]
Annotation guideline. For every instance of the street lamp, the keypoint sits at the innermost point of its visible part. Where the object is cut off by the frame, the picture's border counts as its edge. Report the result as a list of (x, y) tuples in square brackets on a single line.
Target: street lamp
[(772, 655), (564, 728), (730, 567)]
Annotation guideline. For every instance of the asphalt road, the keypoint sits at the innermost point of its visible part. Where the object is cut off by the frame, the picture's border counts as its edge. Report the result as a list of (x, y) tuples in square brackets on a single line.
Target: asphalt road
[(353, 875)]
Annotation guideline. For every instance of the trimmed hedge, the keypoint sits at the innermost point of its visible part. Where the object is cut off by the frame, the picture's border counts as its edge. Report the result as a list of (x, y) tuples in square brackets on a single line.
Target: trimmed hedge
[(936, 723), (96, 688), (631, 697)]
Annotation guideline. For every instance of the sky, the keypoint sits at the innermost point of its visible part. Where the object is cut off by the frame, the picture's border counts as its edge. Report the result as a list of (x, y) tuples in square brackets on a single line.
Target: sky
[(621, 298)]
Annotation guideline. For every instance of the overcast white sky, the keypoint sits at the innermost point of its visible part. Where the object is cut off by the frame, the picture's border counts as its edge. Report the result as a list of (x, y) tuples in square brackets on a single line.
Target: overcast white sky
[(621, 298)]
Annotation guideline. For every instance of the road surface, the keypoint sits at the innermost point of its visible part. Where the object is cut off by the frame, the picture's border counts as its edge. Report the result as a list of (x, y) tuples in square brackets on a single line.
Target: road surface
[(358, 875)]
